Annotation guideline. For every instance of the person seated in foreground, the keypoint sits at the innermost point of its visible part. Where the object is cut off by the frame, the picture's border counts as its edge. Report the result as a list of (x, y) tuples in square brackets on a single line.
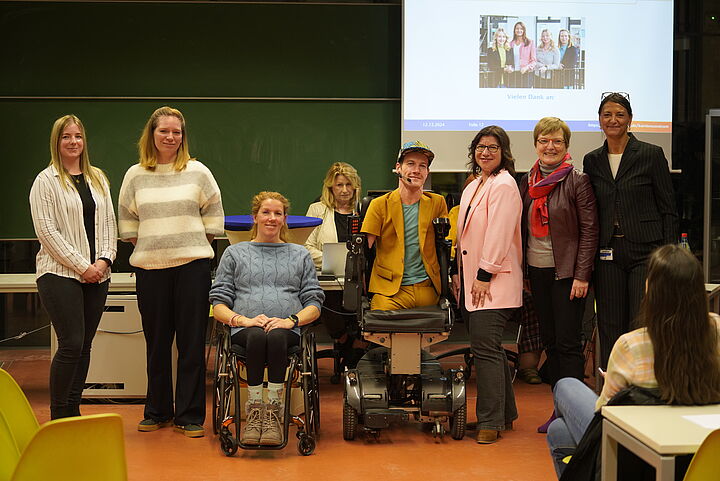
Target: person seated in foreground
[(677, 351), (265, 290), (406, 273)]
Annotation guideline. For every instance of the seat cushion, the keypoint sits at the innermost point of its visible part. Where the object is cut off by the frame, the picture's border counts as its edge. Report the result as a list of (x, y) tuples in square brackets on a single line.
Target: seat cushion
[(419, 319)]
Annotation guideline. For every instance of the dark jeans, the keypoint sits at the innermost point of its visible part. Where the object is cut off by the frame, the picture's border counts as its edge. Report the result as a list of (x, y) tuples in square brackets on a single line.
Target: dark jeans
[(495, 405), (75, 309), (560, 323), (619, 289), (263, 349), (174, 303)]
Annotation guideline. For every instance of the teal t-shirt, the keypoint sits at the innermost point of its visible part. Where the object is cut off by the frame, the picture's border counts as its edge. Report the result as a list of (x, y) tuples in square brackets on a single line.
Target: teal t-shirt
[(414, 269)]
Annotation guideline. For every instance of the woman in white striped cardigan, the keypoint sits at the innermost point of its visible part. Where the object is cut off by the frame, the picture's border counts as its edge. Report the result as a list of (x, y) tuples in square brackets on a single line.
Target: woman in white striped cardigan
[(74, 221)]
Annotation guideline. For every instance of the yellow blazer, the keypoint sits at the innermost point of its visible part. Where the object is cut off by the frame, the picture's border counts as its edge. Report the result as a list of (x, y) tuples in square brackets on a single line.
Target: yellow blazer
[(384, 219)]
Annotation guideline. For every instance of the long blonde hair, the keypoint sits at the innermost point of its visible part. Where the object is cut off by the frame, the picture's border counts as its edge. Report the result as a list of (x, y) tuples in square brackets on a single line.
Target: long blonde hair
[(256, 203), (495, 45), (551, 44), (340, 168), (146, 144), (95, 175)]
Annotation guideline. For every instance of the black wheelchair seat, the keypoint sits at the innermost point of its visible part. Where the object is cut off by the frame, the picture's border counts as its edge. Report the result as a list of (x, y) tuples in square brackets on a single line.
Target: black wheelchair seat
[(419, 319)]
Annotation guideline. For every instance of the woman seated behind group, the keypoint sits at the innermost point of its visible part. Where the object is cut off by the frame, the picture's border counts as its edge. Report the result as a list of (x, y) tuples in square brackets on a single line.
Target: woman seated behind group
[(548, 60), (338, 200), (677, 351), (500, 59), (265, 289)]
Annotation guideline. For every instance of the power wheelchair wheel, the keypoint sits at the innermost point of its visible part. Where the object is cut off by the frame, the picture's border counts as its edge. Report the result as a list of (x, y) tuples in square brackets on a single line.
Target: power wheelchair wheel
[(350, 421), (306, 445), (458, 422)]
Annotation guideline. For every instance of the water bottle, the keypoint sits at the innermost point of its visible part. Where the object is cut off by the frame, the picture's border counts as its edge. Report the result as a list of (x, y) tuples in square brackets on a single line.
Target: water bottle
[(684, 241)]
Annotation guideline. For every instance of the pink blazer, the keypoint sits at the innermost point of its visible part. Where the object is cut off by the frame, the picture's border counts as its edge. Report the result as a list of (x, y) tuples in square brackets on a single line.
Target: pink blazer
[(490, 238)]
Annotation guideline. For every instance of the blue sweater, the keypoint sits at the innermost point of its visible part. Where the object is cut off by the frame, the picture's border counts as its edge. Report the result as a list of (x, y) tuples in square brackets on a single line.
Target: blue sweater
[(256, 278)]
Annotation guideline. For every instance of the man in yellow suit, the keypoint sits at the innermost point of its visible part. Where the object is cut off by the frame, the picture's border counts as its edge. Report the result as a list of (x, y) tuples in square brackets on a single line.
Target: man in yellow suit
[(406, 272)]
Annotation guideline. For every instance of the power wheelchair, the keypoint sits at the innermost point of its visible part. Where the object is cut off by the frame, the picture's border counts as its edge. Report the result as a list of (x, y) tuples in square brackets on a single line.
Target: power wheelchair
[(400, 380), (301, 403)]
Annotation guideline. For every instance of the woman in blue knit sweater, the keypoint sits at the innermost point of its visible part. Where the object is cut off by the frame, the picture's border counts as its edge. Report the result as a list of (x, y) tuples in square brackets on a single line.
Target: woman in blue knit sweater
[(265, 290)]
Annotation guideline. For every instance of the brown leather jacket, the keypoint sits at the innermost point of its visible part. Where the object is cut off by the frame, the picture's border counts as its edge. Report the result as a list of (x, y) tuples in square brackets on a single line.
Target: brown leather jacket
[(574, 227)]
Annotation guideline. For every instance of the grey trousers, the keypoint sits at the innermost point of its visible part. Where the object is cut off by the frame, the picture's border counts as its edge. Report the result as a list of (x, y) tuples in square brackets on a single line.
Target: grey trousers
[(495, 405)]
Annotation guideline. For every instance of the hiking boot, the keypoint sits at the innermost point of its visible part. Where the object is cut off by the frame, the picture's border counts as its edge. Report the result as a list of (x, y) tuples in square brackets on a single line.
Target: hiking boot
[(272, 428), (147, 425), (253, 424)]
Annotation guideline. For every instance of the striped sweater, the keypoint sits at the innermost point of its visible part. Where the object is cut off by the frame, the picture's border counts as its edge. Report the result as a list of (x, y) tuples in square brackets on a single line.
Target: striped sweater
[(170, 213), (57, 216)]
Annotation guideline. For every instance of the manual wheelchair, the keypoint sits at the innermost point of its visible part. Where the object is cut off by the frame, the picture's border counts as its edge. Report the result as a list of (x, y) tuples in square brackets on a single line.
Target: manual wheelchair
[(301, 403)]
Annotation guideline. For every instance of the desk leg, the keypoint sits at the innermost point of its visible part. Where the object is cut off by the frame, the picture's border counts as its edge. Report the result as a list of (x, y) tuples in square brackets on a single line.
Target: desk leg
[(609, 454), (666, 470)]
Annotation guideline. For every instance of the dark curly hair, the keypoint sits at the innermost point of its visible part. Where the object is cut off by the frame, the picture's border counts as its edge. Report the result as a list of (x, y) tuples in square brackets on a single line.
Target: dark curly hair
[(507, 161)]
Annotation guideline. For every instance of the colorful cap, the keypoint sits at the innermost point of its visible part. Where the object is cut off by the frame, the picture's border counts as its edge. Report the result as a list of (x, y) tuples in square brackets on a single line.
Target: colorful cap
[(416, 146)]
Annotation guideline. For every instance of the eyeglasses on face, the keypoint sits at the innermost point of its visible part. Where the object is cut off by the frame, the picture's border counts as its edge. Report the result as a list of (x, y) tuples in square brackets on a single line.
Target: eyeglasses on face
[(556, 143), (492, 148), (607, 94)]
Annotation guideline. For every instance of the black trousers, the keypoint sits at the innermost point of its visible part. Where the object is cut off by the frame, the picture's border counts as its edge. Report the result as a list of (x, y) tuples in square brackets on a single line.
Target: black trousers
[(174, 303), (265, 348), (75, 309), (560, 323), (619, 289)]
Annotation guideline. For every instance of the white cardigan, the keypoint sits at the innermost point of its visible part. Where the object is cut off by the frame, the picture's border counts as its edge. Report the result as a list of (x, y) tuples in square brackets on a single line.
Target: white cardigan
[(325, 232)]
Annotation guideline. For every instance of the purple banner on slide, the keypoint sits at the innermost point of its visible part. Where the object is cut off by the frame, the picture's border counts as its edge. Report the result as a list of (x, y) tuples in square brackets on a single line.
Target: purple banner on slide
[(509, 125)]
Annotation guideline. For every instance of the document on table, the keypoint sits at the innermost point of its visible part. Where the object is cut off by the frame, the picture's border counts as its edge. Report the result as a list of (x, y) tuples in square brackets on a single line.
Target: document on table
[(709, 421)]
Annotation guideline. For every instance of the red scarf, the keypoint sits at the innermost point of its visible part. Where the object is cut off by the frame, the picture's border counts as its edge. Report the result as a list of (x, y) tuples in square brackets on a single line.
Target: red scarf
[(539, 188)]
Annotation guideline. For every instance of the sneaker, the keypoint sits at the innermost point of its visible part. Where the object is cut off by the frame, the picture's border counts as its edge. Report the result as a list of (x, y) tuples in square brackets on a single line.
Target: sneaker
[(191, 430), (272, 428), (530, 375), (147, 425), (253, 425)]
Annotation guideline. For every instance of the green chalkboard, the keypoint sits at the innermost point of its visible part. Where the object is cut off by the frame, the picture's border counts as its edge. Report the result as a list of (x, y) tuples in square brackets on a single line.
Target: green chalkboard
[(113, 53)]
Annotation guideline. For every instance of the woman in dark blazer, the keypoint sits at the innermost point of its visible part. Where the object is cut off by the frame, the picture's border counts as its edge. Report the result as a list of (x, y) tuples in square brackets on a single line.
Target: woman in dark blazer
[(569, 57), (637, 212), (500, 59)]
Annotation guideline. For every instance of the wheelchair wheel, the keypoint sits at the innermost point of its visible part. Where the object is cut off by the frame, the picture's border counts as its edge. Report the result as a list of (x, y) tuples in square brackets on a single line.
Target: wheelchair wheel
[(306, 445), (458, 421), (311, 386), (350, 421), (218, 368), (228, 446)]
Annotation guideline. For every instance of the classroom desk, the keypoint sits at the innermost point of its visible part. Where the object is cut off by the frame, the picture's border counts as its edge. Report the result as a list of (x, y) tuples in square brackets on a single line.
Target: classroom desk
[(657, 434), (119, 282), (237, 227), (713, 292)]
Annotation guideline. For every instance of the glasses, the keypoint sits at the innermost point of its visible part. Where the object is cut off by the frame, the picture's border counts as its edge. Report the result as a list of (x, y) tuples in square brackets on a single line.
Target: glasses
[(608, 94), (556, 143), (492, 148)]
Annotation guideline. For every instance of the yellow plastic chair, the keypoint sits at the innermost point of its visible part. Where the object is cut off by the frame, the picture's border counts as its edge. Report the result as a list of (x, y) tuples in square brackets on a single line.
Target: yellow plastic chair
[(9, 454), (83, 448), (705, 465), (16, 410)]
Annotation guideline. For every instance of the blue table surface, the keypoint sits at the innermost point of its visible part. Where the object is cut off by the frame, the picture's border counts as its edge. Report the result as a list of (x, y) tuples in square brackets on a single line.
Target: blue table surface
[(245, 222)]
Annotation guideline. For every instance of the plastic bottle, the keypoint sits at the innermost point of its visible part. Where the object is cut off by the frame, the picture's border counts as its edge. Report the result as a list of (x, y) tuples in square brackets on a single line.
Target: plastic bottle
[(684, 241)]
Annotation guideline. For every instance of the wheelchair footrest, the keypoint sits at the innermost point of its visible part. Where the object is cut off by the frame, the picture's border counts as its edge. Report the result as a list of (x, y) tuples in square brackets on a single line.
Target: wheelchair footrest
[(383, 418)]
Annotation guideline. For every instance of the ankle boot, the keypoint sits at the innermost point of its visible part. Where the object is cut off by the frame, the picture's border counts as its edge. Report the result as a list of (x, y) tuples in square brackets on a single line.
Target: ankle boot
[(254, 414), (272, 427)]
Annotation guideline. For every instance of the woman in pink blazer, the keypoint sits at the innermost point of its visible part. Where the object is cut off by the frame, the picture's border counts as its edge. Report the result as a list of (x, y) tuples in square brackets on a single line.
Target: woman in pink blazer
[(488, 284)]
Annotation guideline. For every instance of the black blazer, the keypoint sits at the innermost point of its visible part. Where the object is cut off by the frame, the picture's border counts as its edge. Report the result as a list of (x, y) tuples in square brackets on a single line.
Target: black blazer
[(641, 193), (493, 57), (570, 57)]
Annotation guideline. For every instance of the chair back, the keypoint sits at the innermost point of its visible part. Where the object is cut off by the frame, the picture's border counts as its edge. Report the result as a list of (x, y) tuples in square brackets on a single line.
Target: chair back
[(81, 448), (705, 465), (16, 410), (9, 453)]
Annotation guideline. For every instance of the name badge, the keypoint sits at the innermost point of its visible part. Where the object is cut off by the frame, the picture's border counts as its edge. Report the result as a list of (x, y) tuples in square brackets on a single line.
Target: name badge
[(606, 254)]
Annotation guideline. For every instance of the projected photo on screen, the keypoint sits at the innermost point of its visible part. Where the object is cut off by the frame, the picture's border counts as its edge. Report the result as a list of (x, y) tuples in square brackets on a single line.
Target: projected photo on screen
[(468, 64), (532, 52)]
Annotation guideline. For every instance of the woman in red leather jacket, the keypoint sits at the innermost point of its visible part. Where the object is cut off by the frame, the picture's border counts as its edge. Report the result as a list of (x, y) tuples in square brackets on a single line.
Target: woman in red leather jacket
[(560, 239)]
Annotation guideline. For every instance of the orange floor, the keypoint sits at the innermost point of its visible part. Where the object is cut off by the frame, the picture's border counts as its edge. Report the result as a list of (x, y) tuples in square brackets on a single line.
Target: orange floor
[(404, 452)]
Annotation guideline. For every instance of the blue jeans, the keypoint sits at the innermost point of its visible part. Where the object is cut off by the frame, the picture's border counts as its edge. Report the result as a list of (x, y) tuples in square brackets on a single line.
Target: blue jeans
[(574, 408)]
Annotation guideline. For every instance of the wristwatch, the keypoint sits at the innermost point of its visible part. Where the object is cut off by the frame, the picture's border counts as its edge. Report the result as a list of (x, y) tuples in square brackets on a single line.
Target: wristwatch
[(294, 318)]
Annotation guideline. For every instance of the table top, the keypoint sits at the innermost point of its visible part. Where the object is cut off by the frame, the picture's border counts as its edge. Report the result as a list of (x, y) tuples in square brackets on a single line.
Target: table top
[(712, 289), (664, 429), (245, 222), (119, 282)]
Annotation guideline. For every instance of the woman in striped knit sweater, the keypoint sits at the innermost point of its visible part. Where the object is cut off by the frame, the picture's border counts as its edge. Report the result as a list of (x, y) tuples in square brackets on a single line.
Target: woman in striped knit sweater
[(74, 220), (170, 209)]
